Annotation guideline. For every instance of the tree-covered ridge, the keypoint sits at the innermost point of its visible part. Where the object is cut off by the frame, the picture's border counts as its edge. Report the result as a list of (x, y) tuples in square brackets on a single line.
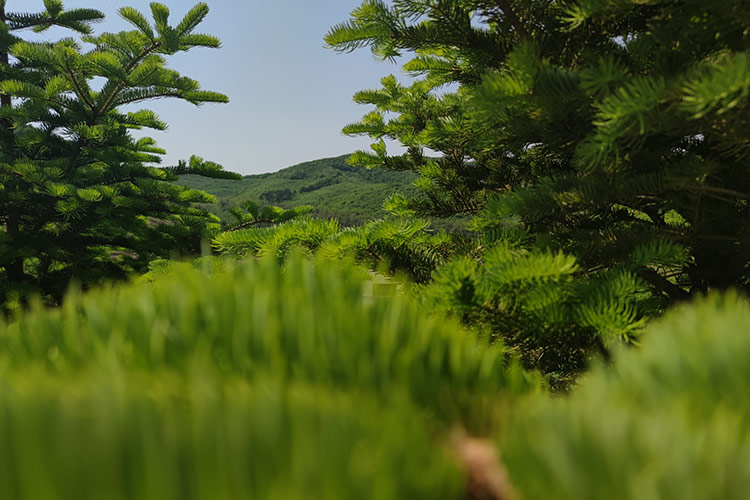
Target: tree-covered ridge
[(333, 187)]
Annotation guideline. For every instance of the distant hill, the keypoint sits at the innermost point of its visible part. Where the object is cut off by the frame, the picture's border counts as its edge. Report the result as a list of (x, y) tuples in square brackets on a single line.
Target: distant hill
[(336, 189)]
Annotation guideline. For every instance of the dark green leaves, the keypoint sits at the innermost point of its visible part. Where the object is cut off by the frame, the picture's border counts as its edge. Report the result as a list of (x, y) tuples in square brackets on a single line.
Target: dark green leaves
[(371, 25), (189, 41), (161, 17), (77, 19)]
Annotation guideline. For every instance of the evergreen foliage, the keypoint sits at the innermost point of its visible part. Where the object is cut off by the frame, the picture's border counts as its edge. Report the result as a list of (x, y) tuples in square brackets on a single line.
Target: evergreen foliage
[(600, 149), (251, 214), (612, 135), (78, 197), (535, 301), (609, 128), (277, 382), (301, 233), (404, 246), (669, 420), (277, 196), (254, 381)]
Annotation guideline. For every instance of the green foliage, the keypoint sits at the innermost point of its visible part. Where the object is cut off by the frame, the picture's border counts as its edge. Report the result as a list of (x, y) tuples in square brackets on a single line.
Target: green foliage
[(540, 305), (669, 420), (79, 199), (237, 382), (595, 122), (54, 15), (290, 329), (400, 245), (210, 440), (251, 214), (539, 302), (612, 134), (200, 167), (277, 240), (277, 196), (599, 148), (252, 381)]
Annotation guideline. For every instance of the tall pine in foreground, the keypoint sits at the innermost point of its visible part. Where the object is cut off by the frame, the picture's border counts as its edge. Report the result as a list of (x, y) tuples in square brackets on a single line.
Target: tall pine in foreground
[(614, 130), (600, 147), (78, 197)]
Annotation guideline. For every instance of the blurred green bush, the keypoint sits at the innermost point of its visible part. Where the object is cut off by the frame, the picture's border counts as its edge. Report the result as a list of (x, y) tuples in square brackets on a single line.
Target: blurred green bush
[(251, 381), (668, 421), (264, 381)]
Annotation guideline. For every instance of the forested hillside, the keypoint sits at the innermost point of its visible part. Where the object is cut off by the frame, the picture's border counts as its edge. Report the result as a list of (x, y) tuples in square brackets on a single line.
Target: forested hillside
[(332, 186)]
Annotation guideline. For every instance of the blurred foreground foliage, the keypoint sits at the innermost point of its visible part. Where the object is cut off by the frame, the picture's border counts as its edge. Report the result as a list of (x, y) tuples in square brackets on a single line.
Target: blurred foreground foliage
[(275, 382), (251, 381), (669, 421)]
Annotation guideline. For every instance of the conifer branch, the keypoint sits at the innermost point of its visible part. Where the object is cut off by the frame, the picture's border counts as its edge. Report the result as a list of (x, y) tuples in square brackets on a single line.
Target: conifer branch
[(78, 89), (128, 70), (663, 285)]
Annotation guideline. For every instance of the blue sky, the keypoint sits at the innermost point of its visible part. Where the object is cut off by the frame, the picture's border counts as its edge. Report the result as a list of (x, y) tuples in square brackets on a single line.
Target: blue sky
[(290, 96)]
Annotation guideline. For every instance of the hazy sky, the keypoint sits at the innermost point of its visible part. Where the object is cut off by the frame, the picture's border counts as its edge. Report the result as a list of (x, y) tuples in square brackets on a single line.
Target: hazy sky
[(290, 96)]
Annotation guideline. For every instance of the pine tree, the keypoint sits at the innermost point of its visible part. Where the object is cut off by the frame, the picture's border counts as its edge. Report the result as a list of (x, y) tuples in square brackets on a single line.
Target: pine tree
[(78, 195), (616, 131), (600, 147)]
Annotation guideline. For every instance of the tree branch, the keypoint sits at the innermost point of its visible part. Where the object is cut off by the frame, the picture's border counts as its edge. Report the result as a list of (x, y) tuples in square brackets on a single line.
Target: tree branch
[(85, 98), (250, 224), (663, 285), (128, 69)]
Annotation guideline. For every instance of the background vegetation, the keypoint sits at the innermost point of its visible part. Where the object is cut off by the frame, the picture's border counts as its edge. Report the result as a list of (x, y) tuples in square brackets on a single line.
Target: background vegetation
[(333, 187)]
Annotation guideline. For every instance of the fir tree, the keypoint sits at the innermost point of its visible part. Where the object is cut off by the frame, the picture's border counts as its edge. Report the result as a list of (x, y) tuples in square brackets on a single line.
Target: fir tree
[(616, 131), (78, 196), (613, 132)]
